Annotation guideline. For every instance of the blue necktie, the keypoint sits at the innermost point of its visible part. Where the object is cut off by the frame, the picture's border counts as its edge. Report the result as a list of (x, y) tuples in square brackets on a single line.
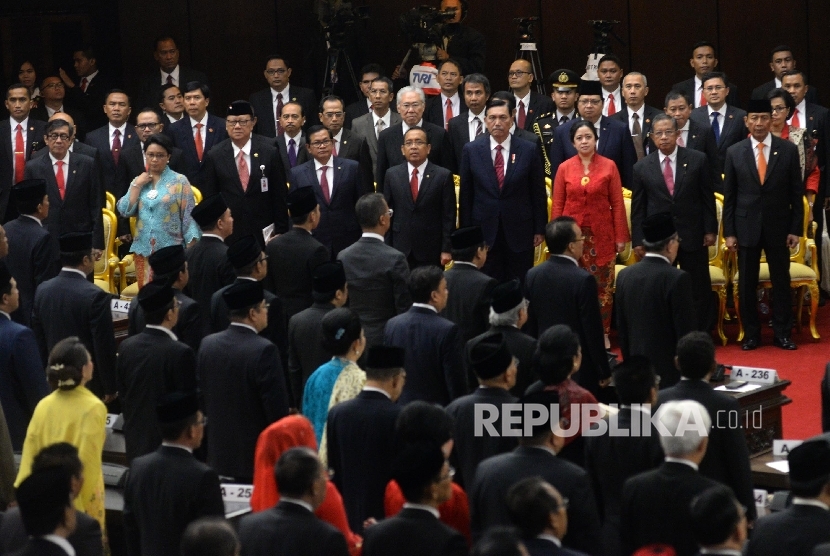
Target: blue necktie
[(716, 127), (292, 153)]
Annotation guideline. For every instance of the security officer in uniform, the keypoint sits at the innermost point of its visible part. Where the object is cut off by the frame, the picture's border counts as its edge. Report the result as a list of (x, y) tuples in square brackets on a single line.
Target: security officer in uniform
[(563, 83)]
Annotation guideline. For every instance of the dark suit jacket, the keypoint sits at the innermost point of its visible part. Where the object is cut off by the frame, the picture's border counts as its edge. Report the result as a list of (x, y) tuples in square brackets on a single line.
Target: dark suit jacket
[(467, 46), (469, 450), (645, 124), (539, 104), (282, 147), (34, 141), (421, 227), (131, 165), (100, 139), (86, 539), (562, 293), (654, 310), (701, 138), (209, 269), (413, 532), (80, 209), (33, 258), (355, 110), (355, 146), (292, 258), (150, 366), (774, 209), (495, 475), (166, 490), (733, 131), (687, 87), (81, 125), (189, 328), (727, 455), (794, 531), (243, 384), (614, 143), (252, 209), (150, 89), (305, 347), (434, 355), (275, 332), (338, 226), (288, 529), (692, 206), (520, 206), (761, 91), (522, 347), (22, 380), (263, 103), (365, 126), (655, 508), (91, 102), (69, 305), (544, 547), (436, 108), (468, 304), (181, 133), (459, 135), (361, 438), (377, 276), (391, 141)]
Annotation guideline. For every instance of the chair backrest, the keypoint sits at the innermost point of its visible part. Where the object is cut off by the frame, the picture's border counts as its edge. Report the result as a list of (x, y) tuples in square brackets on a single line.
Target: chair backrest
[(110, 201), (627, 257), (197, 195), (110, 230)]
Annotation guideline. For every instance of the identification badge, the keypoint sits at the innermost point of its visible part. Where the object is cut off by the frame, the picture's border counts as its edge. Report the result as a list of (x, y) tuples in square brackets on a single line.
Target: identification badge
[(263, 185)]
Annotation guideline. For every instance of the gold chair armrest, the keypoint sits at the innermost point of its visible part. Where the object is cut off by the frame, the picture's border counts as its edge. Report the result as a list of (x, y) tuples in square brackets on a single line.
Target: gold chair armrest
[(811, 245), (122, 268)]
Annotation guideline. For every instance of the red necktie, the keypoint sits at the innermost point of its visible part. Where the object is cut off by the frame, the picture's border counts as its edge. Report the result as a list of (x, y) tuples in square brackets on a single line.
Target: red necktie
[(612, 108), (795, 122), (334, 147), (324, 183), (448, 114), (667, 175), (59, 178), (116, 146), (280, 130), (200, 148), (499, 165), (84, 83), (680, 142), (19, 155), (702, 98), (413, 184), (242, 168), (522, 115)]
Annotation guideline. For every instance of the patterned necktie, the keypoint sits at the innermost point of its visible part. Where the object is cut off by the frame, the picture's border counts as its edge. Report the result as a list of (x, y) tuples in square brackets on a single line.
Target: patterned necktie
[(479, 127), (612, 108), (413, 184), (448, 114), (197, 137), (499, 166), (116, 146), (334, 147), (795, 122), (292, 153), (379, 127), (637, 136), (60, 179), (169, 78), (680, 141), (522, 115), (324, 183), (84, 83), (716, 126), (19, 154), (242, 168), (668, 176), (762, 163), (280, 129)]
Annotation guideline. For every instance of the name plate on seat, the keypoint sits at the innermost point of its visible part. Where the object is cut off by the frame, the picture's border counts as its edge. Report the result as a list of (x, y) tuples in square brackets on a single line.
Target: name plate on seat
[(236, 493), (119, 306), (754, 374), (782, 448)]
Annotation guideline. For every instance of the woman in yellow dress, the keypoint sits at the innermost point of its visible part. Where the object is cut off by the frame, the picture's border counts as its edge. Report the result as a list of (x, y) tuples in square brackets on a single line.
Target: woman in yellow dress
[(72, 414)]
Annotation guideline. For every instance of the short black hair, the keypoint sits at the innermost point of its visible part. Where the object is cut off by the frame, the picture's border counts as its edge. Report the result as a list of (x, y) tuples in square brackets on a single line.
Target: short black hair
[(610, 57), (416, 128), (331, 98), (579, 125), (663, 117), (795, 72), (340, 328), (173, 431), (386, 81), (317, 128), (162, 38), (555, 352), (421, 421), (499, 541), (529, 505), (277, 57), (695, 355), (777, 49), (151, 110), (423, 281), (633, 379), (713, 515), (369, 209), (118, 92), (74, 258), (59, 454), (674, 94), (476, 79), (372, 68), (191, 86), (209, 536), (700, 44), (163, 91), (559, 233), (13, 86), (160, 139), (302, 112), (452, 61), (714, 75), (88, 52), (296, 471), (56, 124), (504, 96)]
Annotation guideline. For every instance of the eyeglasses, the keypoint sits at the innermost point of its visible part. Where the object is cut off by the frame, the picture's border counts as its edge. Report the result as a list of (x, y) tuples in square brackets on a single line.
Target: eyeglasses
[(56, 136), (577, 240), (564, 504), (57, 85), (279, 71), (156, 156), (234, 123), (390, 212), (714, 88), (779, 108), (410, 105), (263, 259), (320, 144), (264, 306), (176, 303), (146, 126), (333, 114), (415, 143), (450, 474), (517, 73), (656, 380), (202, 422), (668, 133), (590, 101)]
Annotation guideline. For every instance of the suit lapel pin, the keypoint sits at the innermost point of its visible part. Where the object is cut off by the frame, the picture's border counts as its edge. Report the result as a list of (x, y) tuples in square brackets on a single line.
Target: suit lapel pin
[(684, 165), (33, 127), (513, 158), (730, 116), (648, 121), (427, 176), (256, 155), (129, 136), (293, 99), (338, 167), (344, 141), (73, 171), (775, 153), (210, 129), (547, 126)]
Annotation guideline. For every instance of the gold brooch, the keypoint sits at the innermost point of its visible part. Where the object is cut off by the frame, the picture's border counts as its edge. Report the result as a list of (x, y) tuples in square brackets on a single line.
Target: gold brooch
[(585, 181)]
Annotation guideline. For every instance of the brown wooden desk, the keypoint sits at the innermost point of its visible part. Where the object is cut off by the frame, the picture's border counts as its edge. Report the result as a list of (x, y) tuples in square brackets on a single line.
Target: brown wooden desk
[(766, 477), (120, 325)]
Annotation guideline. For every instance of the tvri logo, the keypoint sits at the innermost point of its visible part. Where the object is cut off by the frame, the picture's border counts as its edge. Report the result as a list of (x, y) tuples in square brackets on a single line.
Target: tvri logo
[(523, 420)]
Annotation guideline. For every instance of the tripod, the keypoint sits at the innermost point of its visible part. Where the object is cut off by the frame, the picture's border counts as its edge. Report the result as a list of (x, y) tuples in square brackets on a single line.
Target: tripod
[(331, 78), (528, 50)]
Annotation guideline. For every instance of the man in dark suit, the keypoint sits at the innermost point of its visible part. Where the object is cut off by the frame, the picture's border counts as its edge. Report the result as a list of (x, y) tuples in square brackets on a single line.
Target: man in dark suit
[(614, 140), (806, 523), (69, 305), (188, 488), (361, 436), (113, 138), (703, 61), (93, 86), (422, 196), (346, 143), (363, 105), (535, 456), (268, 103), (169, 266), (381, 94), (763, 210), (338, 184), (291, 525), (504, 193), (425, 479), (654, 302), (560, 292), (47, 513), (462, 42), (75, 193), (610, 74), (727, 457), (376, 273), (563, 84), (495, 368), (293, 256), (33, 256), (171, 103), (152, 364), (305, 348), (23, 383), (242, 381), (75, 145), (248, 172), (53, 92), (411, 106), (468, 125), (692, 134), (169, 71), (781, 61), (198, 133), (449, 103), (727, 121), (468, 303), (291, 143), (656, 504), (20, 136), (612, 458), (719, 522), (434, 352), (635, 114), (86, 538), (678, 180), (529, 104)]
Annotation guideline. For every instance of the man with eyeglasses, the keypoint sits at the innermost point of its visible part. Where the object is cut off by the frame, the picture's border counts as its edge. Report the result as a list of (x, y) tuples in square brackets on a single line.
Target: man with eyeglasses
[(168, 72), (249, 173), (345, 143), (450, 103), (703, 60), (382, 116), (781, 61), (52, 93), (726, 120), (269, 103), (113, 138), (338, 183), (529, 104), (171, 102), (358, 108)]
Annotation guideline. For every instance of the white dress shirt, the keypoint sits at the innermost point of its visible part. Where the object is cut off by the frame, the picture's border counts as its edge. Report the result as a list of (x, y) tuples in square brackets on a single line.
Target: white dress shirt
[(697, 92), (425, 306), (684, 133), (472, 124), (618, 101), (51, 111), (123, 134), (24, 130), (5, 314), (767, 146), (372, 388), (455, 104), (337, 141), (571, 115), (35, 218), (90, 77), (163, 329), (175, 445), (407, 128), (329, 173), (550, 538), (174, 74), (220, 238), (420, 175), (387, 120), (203, 131), (246, 154), (721, 118), (567, 258), (810, 502), (670, 459), (61, 542), (659, 256), (298, 502), (640, 115), (243, 325), (424, 507), (505, 153), (75, 270), (526, 100), (285, 99), (65, 169), (672, 162)]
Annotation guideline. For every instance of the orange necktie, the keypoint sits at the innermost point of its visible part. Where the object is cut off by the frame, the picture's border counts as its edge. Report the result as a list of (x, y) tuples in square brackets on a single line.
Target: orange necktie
[(762, 163)]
